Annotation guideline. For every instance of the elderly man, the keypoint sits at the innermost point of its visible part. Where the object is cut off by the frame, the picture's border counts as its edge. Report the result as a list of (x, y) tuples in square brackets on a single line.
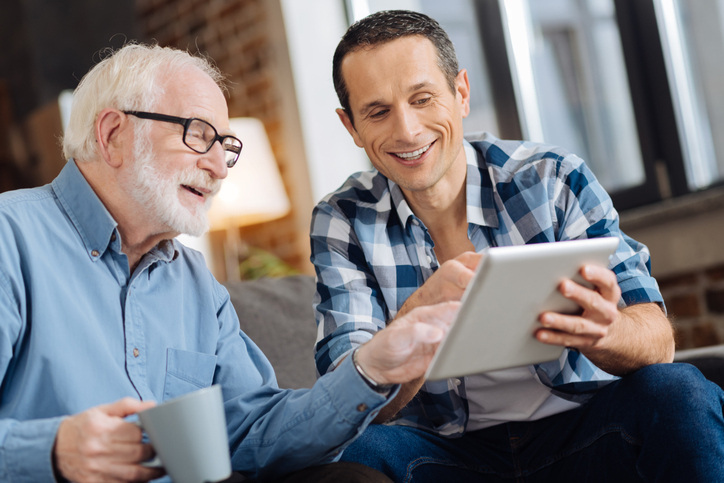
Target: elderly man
[(406, 234), (102, 313)]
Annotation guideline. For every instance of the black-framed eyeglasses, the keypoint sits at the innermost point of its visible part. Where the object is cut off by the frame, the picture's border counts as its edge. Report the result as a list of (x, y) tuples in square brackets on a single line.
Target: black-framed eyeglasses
[(198, 135)]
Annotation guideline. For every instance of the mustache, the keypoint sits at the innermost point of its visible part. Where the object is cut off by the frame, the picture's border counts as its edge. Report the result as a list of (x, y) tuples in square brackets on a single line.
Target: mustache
[(200, 179)]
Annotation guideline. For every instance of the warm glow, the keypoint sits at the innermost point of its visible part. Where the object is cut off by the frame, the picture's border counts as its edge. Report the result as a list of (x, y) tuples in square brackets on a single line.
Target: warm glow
[(253, 191)]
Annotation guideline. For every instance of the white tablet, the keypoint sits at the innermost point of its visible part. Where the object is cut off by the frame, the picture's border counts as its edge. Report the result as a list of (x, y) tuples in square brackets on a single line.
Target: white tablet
[(499, 314)]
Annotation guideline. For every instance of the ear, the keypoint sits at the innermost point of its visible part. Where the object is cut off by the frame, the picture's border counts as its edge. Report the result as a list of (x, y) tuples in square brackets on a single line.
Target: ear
[(111, 130), (344, 117), (462, 88)]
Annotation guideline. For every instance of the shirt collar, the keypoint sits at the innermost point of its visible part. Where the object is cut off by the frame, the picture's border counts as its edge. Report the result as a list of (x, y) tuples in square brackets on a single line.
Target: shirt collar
[(478, 189), (404, 212), (478, 193), (95, 225)]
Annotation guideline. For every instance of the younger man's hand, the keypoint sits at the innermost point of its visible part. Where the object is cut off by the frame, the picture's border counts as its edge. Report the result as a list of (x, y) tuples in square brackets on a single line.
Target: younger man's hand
[(600, 311), (448, 283)]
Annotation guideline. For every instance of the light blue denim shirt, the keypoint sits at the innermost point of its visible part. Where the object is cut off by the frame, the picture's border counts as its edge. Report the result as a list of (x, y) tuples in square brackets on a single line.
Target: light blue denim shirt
[(78, 330)]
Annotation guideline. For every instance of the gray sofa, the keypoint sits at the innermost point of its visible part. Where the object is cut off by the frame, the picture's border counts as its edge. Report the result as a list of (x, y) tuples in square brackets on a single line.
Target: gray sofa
[(277, 314)]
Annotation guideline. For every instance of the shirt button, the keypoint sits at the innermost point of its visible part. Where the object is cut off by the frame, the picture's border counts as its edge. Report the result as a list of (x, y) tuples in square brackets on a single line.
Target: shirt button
[(458, 382), (415, 222), (362, 407), (95, 253), (429, 260), (135, 352), (113, 237)]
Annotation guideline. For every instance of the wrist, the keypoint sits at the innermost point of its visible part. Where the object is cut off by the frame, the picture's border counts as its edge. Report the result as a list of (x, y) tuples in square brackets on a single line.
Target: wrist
[(374, 385)]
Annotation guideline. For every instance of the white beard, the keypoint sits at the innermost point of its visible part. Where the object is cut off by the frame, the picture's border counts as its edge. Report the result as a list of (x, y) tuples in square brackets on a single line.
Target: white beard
[(159, 195)]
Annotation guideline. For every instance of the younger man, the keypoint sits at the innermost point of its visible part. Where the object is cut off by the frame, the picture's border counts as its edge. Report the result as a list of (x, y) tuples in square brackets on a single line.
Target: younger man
[(406, 234)]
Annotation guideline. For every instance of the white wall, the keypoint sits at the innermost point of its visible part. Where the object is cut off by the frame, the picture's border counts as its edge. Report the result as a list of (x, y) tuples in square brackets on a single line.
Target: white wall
[(313, 29)]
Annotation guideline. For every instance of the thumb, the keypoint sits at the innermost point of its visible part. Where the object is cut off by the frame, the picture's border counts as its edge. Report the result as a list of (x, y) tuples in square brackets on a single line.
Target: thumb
[(470, 259), (125, 407), (428, 334)]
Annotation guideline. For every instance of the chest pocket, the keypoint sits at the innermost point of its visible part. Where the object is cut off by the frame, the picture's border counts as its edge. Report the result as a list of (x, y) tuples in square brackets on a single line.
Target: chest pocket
[(187, 371)]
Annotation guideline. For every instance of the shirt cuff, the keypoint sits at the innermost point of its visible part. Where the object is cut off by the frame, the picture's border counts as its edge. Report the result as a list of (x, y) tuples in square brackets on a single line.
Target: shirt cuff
[(28, 450), (352, 397)]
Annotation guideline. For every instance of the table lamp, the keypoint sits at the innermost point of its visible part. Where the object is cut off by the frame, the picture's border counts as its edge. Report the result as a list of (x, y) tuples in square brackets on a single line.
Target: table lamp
[(253, 191)]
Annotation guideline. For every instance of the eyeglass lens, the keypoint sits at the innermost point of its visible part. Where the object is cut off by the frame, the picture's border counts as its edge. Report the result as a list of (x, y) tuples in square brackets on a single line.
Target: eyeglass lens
[(200, 136)]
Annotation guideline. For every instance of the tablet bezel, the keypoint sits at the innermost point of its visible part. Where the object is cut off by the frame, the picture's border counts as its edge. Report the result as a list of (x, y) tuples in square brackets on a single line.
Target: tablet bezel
[(512, 286)]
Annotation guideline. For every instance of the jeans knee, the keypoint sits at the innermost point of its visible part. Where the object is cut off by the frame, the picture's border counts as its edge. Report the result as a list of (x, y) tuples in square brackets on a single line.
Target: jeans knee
[(397, 451), (676, 387), (370, 448)]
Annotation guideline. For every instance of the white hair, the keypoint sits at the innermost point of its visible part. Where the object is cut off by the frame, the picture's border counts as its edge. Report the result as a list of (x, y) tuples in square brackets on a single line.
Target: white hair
[(127, 79)]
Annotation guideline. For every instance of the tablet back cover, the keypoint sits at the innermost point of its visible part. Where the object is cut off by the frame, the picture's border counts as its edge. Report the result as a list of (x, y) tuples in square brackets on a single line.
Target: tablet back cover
[(500, 307)]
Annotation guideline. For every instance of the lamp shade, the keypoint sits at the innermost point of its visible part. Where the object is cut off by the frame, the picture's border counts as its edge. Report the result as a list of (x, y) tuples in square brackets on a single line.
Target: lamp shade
[(253, 191)]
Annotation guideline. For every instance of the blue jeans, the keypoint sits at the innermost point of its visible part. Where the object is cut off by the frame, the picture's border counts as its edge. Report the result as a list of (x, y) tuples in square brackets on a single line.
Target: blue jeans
[(661, 423)]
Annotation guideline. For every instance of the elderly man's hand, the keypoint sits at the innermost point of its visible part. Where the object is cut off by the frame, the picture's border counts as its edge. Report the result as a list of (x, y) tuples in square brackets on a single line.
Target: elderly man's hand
[(99, 445), (402, 351)]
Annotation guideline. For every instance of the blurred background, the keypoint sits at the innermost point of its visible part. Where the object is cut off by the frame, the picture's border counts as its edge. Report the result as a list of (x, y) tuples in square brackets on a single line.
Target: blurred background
[(635, 87)]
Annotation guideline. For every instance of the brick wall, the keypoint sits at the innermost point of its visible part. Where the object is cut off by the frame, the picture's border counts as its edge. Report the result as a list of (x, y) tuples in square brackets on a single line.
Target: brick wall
[(236, 35), (695, 302), (685, 236)]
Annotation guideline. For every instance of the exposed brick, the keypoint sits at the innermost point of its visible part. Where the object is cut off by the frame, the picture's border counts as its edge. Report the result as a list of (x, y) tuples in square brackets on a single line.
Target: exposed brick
[(183, 8), (234, 33), (686, 305), (681, 337), (682, 280), (715, 273), (704, 335), (715, 301)]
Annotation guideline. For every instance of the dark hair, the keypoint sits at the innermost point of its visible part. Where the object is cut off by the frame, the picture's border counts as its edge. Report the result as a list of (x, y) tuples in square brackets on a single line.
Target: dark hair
[(387, 25)]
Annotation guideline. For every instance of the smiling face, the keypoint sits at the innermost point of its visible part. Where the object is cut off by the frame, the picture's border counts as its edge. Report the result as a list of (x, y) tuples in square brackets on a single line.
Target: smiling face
[(405, 116), (172, 184)]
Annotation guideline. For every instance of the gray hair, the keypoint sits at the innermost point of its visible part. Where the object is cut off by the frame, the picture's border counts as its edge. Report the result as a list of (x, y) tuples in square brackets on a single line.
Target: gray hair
[(127, 79)]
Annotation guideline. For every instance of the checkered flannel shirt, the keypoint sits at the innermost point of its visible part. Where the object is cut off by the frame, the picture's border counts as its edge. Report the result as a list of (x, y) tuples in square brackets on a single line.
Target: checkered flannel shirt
[(371, 252)]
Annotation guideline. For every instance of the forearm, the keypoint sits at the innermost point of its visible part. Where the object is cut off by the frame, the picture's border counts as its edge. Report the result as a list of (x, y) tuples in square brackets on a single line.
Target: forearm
[(641, 336), (417, 299)]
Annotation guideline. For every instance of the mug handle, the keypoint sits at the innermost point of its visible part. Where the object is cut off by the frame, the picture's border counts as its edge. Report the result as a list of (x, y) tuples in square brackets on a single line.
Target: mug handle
[(154, 462)]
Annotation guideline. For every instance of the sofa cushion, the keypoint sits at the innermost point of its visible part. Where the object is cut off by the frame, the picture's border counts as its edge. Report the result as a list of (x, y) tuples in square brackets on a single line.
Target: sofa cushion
[(276, 313)]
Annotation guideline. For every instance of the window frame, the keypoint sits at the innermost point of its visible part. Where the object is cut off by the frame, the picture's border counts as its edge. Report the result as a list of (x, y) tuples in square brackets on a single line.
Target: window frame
[(651, 97)]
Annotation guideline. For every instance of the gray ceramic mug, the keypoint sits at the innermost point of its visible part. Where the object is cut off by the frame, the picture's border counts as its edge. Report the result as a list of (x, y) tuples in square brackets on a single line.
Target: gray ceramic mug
[(189, 436)]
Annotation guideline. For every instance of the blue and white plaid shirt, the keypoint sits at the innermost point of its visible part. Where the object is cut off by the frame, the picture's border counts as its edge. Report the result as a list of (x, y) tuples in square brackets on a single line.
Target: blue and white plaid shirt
[(371, 252)]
